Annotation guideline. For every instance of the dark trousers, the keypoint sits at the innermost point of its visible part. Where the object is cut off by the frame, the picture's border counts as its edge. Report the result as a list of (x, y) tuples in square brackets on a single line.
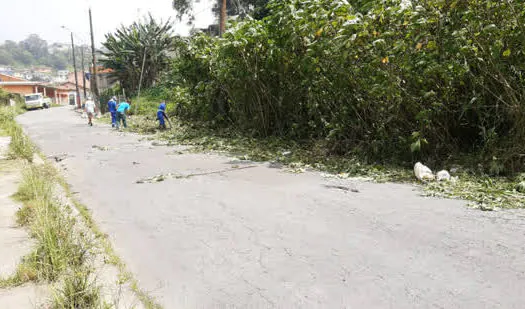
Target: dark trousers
[(113, 119), (121, 117)]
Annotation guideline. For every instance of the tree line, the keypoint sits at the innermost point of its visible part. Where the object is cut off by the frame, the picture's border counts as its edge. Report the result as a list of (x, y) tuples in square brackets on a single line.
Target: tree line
[(151, 43), (37, 51)]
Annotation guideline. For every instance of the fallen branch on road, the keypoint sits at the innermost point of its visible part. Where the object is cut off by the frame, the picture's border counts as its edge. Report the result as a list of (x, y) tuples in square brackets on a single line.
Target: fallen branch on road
[(162, 177)]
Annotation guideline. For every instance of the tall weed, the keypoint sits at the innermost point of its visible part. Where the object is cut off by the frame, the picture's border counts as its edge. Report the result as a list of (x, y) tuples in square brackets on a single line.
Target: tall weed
[(20, 147), (61, 251)]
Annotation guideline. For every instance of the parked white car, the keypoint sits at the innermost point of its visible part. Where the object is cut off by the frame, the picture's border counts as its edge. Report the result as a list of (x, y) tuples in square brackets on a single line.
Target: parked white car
[(37, 100)]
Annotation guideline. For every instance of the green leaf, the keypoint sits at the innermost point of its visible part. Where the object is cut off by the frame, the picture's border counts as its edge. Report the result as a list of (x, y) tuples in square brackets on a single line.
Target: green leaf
[(490, 27), (432, 45), (415, 146)]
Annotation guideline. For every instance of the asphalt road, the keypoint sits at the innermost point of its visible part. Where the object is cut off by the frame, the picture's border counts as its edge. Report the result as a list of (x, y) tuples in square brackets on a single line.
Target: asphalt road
[(237, 234)]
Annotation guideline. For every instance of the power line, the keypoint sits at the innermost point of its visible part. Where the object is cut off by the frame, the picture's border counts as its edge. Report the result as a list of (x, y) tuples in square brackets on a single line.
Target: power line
[(202, 11)]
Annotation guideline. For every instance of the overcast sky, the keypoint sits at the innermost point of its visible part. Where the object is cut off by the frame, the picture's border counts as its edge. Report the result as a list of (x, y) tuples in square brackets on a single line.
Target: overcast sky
[(20, 18)]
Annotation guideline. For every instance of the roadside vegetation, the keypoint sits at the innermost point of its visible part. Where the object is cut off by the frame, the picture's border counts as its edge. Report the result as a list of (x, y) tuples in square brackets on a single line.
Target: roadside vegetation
[(21, 146), (434, 81), (481, 190), (356, 88), (63, 251)]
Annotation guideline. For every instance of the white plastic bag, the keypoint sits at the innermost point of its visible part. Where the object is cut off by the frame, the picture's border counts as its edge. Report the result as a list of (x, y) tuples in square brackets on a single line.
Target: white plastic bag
[(443, 176), (422, 172)]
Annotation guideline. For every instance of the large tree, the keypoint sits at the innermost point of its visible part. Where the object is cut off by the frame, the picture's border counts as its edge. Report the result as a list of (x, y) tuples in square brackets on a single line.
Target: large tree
[(34, 51), (5, 57), (147, 41), (13, 53), (36, 46), (58, 61)]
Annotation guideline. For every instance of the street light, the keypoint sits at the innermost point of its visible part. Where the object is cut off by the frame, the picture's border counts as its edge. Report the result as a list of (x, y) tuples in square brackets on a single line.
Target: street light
[(79, 36), (83, 67), (75, 67)]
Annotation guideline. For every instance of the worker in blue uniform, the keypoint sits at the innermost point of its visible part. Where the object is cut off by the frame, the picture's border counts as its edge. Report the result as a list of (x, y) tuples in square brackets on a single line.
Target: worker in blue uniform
[(121, 113), (161, 115), (112, 108)]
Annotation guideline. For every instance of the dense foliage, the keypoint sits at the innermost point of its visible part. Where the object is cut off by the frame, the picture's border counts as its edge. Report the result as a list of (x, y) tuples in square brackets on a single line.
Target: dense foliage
[(386, 79), (6, 97), (146, 43)]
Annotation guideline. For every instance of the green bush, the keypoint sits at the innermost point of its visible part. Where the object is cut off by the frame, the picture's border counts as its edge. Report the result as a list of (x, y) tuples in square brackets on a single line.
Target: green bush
[(431, 80), (20, 146), (4, 97), (57, 248)]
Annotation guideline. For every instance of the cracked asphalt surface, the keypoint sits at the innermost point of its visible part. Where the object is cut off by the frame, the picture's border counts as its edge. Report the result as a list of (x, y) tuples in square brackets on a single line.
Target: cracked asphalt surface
[(263, 238)]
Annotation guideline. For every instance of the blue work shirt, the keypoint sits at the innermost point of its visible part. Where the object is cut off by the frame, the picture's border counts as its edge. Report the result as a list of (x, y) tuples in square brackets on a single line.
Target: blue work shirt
[(123, 107), (112, 106), (160, 112)]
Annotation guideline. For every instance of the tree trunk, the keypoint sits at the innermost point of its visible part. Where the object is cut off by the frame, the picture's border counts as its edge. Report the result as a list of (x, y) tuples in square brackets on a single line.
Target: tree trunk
[(223, 16)]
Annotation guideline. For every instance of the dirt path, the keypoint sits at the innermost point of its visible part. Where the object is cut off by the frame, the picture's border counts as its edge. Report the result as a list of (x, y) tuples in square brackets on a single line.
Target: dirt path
[(211, 234)]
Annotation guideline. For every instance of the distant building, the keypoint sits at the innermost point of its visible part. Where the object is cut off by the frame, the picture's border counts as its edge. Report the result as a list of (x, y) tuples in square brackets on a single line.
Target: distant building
[(105, 78), (6, 70), (62, 75), (16, 85), (9, 78), (70, 80), (59, 94), (19, 75), (42, 70)]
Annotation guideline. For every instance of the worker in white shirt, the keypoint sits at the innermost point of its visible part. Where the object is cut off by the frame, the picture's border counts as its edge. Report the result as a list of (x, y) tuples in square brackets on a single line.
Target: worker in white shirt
[(90, 110)]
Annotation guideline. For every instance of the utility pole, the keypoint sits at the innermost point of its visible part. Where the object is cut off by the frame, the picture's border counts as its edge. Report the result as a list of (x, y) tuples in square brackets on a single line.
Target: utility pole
[(222, 18), (94, 78), (77, 101), (140, 80), (83, 71)]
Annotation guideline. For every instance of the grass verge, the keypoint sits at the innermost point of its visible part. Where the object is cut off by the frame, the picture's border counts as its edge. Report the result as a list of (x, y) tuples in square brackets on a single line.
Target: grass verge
[(20, 147), (62, 253), (111, 256)]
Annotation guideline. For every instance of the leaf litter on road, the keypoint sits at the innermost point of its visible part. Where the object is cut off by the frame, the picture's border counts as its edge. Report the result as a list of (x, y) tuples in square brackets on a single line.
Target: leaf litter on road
[(480, 191), (101, 148)]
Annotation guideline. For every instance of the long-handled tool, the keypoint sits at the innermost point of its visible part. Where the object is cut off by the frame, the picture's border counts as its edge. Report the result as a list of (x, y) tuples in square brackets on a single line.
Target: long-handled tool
[(168, 119)]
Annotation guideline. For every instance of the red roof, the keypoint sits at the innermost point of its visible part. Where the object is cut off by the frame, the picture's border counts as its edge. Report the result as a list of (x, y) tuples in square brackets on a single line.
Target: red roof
[(102, 70), (105, 71), (68, 86), (9, 78)]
